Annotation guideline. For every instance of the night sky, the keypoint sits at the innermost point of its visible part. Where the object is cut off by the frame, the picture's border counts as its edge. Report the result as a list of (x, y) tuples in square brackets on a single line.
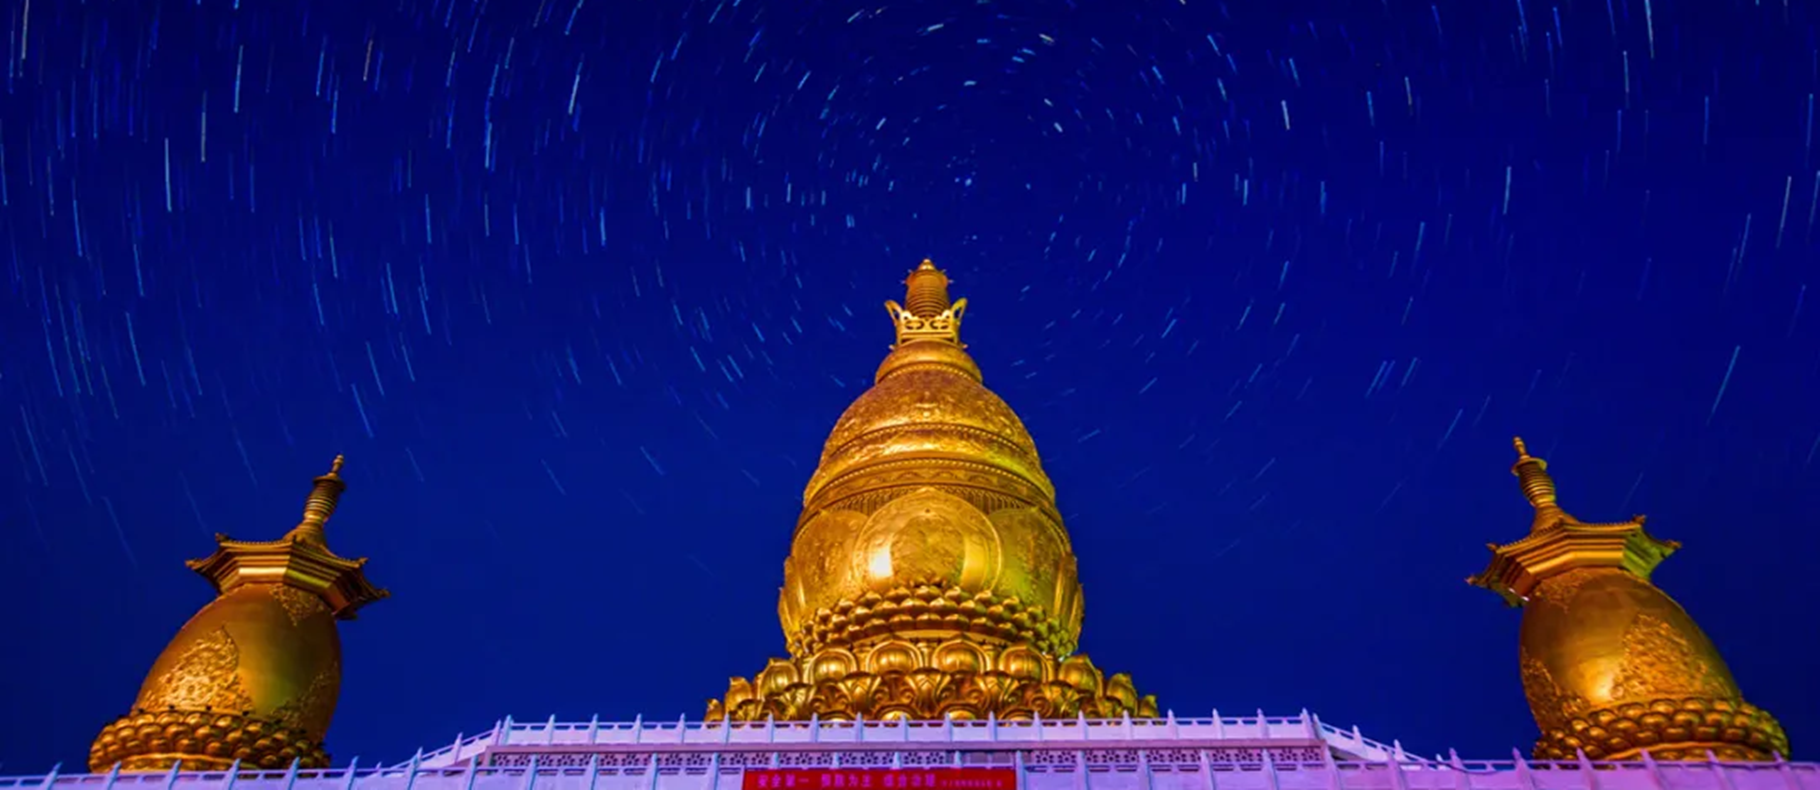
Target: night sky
[(580, 287)]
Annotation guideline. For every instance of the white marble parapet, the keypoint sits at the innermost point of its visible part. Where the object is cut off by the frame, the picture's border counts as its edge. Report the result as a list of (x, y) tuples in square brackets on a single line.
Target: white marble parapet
[(1142, 773), (570, 738)]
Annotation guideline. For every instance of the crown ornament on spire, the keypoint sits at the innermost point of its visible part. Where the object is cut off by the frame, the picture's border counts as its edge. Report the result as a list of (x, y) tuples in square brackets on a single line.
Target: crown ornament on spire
[(930, 315)]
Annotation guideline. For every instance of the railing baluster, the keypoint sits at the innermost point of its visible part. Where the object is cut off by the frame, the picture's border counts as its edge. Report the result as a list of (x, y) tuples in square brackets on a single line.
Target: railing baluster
[(1724, 780), (1334, 780), (1397, 780), (1526, 780), (1787, 771), (1586, 770), (1462, 779)]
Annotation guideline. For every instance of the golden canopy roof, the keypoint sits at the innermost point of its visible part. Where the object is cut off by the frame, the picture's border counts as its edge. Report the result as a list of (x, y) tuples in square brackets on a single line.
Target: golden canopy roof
[(930, 573)]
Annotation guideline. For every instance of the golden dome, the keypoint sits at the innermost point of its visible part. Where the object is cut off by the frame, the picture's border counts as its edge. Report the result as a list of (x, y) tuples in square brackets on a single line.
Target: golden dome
[(254, 676), (932, 409), (1611, 665), (930, 574)]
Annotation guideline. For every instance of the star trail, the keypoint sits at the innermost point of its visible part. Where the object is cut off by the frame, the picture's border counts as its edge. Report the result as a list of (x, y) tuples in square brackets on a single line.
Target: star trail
[(579, 289)]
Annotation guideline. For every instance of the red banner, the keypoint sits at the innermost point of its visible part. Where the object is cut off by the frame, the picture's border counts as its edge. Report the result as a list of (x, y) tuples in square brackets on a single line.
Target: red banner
[(880, 779)]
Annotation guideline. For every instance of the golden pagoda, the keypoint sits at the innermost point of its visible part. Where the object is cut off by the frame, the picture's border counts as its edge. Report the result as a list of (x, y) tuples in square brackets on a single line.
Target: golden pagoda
[(1611, 665), (253, 677), (930, 575)]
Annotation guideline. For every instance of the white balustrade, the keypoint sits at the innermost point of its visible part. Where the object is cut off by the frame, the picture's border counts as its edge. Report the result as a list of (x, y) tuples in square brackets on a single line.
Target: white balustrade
[(1170, 753), (594, 732), (1142, 773)]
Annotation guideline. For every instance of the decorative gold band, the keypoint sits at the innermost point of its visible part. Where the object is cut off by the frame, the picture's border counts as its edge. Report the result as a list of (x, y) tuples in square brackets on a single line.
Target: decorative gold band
[(203, 740), (1669, 729), (957, 678), (931, 607)]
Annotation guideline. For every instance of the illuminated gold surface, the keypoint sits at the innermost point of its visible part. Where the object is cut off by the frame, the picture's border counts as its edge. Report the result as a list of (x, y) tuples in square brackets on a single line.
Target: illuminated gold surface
[(929, 519), (255, 674), (929, 679), (1611, 665)]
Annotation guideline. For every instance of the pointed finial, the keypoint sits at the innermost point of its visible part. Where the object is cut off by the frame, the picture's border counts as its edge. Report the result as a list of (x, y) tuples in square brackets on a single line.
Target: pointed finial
[(320, 505), (926, 290), (1538, 485)]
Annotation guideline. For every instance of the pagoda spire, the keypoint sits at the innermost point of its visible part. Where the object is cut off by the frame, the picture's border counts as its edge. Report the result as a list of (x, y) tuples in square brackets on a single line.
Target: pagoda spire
[(253, 677), (1611, 665), (319, 506), (1538, 486), (930, 574)]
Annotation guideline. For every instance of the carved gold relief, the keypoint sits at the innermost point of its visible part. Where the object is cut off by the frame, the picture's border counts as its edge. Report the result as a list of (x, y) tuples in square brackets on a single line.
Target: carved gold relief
[(202, 740), (204, 672), (914, 679), (1610, 664), (927, 608), (299, 605)]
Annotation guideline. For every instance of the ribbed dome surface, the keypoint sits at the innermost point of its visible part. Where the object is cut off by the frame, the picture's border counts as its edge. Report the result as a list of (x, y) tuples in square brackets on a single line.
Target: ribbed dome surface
[(928, 411)]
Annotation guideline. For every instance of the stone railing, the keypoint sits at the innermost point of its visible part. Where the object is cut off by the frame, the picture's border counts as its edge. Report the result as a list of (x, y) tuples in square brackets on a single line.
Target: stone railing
[(1102, 769), (964, 735)]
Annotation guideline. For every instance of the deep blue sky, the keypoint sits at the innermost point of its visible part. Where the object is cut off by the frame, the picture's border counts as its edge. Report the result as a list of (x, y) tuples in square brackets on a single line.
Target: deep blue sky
[(579, 288)]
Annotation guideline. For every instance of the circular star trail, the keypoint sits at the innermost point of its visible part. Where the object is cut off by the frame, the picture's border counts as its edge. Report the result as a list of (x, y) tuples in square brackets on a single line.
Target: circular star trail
[(579, 288)]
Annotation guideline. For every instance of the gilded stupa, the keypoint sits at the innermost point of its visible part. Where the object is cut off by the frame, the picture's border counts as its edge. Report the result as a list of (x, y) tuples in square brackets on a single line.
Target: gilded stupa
[(252, 679), (930, 575), (1614, 668)]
